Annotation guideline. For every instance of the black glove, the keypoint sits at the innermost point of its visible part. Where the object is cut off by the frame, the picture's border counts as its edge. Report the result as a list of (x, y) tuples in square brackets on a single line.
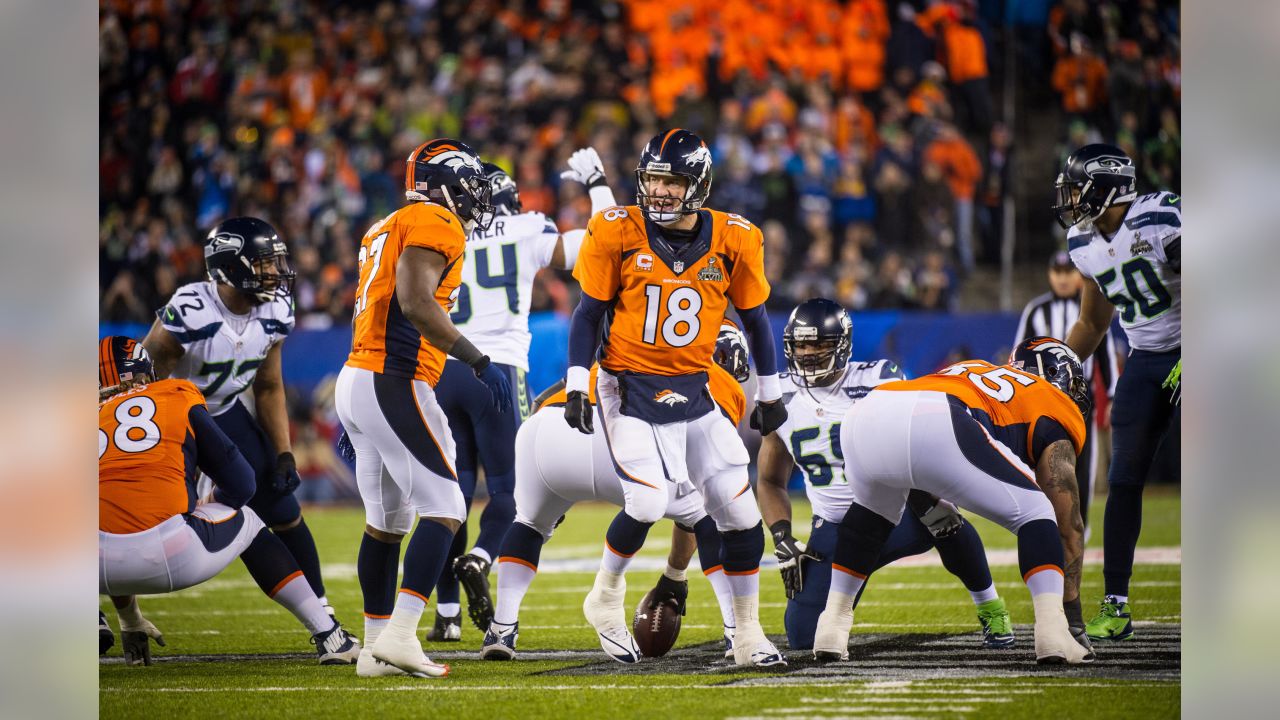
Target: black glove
[(792, 555), (671, 591), (577, 412), (768, 416), (346, 450), (285, 478), (497, 382)]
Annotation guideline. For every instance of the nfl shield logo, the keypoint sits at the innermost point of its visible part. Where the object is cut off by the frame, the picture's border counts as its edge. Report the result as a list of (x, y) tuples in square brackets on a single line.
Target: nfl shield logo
[(678, 267)]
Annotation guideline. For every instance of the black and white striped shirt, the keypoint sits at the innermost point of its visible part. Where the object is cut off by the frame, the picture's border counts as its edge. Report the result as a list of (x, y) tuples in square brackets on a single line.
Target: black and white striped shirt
[(1053, 316)]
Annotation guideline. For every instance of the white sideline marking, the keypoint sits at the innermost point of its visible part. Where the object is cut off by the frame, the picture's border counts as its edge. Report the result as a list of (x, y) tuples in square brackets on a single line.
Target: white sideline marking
[(439, 686)]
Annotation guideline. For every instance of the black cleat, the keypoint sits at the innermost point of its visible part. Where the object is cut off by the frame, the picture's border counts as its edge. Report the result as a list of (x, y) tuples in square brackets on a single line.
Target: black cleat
[(473, 575), (106, 638), (447, 629)]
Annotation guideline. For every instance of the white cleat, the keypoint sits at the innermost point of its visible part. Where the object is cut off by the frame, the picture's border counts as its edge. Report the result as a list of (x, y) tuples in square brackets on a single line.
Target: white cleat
[(751, 647), (403, 650), (1056, 646), (369, 666), (831, 639), (336, 646), (603, 610)]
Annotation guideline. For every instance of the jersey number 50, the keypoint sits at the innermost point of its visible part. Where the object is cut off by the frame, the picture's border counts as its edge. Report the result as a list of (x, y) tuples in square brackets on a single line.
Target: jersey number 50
[(681, 325)]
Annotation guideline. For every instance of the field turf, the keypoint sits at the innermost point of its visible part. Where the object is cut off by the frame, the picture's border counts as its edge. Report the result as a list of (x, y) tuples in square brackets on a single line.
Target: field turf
[(233, 653)]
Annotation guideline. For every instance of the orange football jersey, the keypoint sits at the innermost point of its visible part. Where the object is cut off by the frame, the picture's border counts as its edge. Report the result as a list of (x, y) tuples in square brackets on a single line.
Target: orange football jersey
[(146, 456), (1023, 411), (383, 340), (667, 306), (725, 391)]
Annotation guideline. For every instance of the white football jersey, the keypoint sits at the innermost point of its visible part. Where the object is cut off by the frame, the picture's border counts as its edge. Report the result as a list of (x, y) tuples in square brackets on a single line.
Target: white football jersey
[(223, 350), (812, 431), (492, 310), (1132, 269)]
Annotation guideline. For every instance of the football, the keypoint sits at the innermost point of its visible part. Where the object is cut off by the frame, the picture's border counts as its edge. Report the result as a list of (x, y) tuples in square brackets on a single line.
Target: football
[(655, 626)]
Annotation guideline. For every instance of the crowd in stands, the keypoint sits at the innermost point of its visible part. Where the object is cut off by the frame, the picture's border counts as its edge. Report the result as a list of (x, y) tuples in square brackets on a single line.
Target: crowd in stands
[(862, 136)]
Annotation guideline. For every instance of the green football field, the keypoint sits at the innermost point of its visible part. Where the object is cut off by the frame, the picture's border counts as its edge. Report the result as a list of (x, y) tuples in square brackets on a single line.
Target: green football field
[(917, 653)]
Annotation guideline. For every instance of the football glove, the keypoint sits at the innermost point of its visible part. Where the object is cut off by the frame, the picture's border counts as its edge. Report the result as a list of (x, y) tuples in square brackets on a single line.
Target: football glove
[(346, 450), (285, 478), (768, 416), (496, 381), (792, 556), (585, 167), (671, 591), (943, 519), (577, 412), (1174, 384), (135, 640)]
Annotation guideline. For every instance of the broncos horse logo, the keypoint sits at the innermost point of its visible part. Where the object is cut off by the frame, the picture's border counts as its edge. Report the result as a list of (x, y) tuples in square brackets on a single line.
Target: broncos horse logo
[(670, 398)]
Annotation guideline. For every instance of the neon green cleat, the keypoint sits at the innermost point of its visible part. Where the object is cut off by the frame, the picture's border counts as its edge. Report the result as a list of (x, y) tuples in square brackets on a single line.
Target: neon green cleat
[(1113, 621), (997, 628)]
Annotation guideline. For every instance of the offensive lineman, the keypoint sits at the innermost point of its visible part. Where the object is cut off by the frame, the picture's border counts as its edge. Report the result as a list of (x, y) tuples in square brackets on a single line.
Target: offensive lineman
[(821, 384), (664, 271), (410, 269), (225, 335), (492, 311), (1132, 248)]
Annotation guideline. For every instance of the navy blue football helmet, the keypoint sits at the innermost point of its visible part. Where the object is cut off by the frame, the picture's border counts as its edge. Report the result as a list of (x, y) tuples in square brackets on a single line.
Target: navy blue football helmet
[(121, 360), (247, 254), (1051, 359), (448, 173), (677, 153), (1102, 174), (822, 323), (504, 194)]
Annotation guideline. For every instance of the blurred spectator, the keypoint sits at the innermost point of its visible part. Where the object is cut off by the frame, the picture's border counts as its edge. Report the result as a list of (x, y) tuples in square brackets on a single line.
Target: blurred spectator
[(996, 184), (935, 282), (894, 288), (959, 163), (1080, 77)]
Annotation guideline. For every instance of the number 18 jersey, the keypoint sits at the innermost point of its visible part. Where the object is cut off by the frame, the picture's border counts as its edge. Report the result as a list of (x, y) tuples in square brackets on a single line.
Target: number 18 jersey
[(668, 302)]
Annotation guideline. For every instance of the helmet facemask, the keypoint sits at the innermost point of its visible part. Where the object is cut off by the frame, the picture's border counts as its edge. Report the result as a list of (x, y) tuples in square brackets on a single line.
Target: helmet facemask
[(814, 362), (272, 278), (679, 206)]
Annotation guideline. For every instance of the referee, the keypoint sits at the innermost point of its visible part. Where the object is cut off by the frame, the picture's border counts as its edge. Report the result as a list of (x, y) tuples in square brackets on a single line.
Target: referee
[(1053, 314)]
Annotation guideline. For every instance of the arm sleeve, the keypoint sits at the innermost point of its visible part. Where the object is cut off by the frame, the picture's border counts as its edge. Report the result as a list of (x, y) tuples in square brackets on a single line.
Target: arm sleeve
[(601, 198), (1048, 431), (755, 323), (232, 477), (584, 330)]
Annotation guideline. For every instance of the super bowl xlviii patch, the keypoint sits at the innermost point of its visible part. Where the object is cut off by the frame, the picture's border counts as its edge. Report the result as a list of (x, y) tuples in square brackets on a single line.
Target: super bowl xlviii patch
[(1139, 246), (711, 273)]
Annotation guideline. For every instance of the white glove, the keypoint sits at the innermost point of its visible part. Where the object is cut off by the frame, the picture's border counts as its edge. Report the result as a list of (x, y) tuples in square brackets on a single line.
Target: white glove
[(943, 519), (585, 167)]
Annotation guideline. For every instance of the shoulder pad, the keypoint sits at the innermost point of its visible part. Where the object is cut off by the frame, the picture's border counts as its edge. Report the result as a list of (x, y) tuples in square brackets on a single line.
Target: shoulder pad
[(182, 388), (191, 315), (889, 370), (1077, 239), (277, 317), (1169, 199)]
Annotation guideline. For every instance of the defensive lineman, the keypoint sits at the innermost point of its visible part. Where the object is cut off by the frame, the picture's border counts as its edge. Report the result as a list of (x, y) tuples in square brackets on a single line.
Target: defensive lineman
[(225, 335), (1132, 248), (664, 271), (821, 384)]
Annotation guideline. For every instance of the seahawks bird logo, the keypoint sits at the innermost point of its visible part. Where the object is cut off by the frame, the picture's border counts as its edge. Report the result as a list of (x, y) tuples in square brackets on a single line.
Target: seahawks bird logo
[(670, 398), (1109, 164), (224, 243)]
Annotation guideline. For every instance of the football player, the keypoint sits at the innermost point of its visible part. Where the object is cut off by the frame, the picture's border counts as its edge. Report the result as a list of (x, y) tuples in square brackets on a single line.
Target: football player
[(1001, 441), (154, 436), (410, 272), (492, 311), (657, 277), (1131, 247), (821, 384), (557, 467), (225, 335)]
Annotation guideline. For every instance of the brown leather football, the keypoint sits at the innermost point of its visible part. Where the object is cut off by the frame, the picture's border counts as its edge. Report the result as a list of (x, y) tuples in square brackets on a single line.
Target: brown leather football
[(655, 626)]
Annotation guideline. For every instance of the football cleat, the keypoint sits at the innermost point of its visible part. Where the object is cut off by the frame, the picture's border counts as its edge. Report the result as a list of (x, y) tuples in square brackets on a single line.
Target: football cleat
[(1082, 636), (106, 638), (728, 642), (369, 666), (473, 575), (997, 628), (447, 629), (603, 610), (831, 639), (751, 647), (1113, 621), (500, 642), (1053, 640), (402, 649), (336, 646)]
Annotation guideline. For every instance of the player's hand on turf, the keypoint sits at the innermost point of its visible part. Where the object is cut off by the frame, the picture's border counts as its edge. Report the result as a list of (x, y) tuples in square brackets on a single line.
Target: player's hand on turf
[(943, 519), (768, 416), (585, 167), (346, 450), (577, 412), (792, 556), (496, 381), (285, 478), (135, 641)]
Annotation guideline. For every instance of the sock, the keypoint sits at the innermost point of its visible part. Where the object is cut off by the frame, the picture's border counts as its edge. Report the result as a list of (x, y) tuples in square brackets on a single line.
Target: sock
[(743, 584), (294, 593), (986, 595), (741, 552), (423, 559), (613, 563), (1045, 579), (1040, 548), (303, 548), (514, 578), (724, 594), (860, 538), (448, 610), (407, 613), (373, 628), (447, 592), (130, 615), (377, 566), (964, 556), (270, 564), (497, 517), (846, 582), (1121, 525), (1119, 599), (482, 554), (622, 541), (324, 600), (675, 574)]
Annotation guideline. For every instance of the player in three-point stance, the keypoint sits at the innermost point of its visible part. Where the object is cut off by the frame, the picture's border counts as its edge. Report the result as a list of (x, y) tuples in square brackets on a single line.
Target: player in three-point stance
[(821, 384), (225, 335), (492, 311), (410, 270), (558, 467), (1000, 441), (154, 438), (657, 278), (1132, 248)]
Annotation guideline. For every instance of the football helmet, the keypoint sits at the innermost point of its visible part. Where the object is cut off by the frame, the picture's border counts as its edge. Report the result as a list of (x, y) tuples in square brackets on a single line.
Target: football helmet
[(678, 153), (1053, 360), (247, 254), (122, 361), (449, 173), (1104, 176), (731, 352), (504, 194), (825, 325)]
